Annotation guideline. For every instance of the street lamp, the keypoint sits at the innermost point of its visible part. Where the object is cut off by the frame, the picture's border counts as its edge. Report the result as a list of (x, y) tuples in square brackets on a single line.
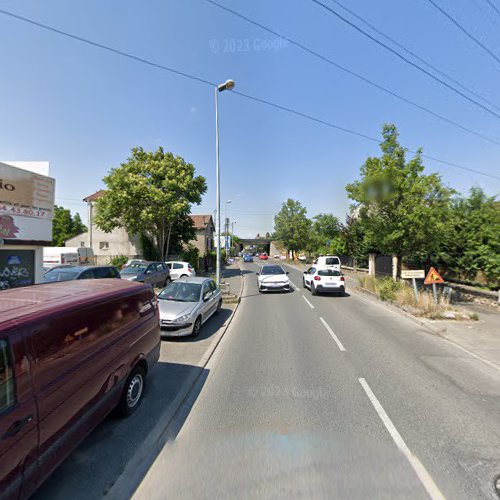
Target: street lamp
[(226, 226), (227, 85), (232, 226)]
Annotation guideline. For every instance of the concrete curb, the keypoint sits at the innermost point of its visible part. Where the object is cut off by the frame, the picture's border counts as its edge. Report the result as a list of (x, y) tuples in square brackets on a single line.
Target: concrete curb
[(136, 469)]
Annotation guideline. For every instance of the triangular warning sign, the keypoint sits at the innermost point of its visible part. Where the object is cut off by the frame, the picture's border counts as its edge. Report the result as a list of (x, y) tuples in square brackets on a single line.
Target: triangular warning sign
[(433, 277)]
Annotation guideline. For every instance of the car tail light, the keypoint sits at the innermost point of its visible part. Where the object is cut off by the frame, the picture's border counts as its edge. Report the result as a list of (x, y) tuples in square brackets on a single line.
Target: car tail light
[(190, 269), (63, 260), (317, 278)]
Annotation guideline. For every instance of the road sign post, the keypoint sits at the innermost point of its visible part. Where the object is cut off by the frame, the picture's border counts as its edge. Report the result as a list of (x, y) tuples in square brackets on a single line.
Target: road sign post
[(413, 274), (432, 278)]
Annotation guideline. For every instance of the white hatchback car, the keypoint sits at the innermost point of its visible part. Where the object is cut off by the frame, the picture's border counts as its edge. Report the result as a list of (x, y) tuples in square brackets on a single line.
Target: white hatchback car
[(320, 280), (179, 269), (273, 278)]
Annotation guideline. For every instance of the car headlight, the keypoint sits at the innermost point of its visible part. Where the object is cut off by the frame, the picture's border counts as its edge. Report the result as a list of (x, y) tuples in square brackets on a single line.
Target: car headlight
[(182, 319)]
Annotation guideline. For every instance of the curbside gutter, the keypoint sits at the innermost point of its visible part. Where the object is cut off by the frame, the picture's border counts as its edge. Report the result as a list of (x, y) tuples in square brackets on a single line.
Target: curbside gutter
[(136, 469)]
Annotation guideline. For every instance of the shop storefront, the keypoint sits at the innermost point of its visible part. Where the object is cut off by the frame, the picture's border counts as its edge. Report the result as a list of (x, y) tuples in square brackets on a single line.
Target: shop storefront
[(26, 210)]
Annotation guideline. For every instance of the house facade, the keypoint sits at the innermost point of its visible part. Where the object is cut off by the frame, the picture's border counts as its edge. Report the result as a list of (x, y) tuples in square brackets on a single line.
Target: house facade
[(119, 242)]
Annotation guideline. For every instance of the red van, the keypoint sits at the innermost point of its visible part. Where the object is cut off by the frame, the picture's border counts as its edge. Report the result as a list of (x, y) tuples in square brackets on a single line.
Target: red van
[(70, 353)]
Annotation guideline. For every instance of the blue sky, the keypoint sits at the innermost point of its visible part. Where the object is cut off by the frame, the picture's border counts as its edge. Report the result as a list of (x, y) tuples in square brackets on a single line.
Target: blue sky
[(82, 108)]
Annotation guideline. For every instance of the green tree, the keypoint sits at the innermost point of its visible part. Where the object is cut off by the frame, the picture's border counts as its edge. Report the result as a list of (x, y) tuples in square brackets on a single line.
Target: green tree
[(403, 210), (324, 236), (183, 232), (472, 242), (65, 226), (291, 225), (149, 194)]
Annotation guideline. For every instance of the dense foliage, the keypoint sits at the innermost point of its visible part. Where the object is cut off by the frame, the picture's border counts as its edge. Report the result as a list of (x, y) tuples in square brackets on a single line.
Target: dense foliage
[(151, 194), (65, 226)]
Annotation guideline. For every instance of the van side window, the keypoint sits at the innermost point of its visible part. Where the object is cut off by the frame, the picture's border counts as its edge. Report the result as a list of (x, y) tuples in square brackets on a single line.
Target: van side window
[(7, 393)]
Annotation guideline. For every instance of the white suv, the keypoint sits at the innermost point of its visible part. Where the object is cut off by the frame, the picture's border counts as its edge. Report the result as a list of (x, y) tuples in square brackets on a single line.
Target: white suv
[(327, 262), (180, 269)]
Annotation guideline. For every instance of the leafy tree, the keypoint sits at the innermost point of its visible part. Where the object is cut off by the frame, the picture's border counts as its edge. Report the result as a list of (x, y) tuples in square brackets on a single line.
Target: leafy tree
[(149, 194), (291, 225), (472, 242), (325, 235), (183, 232), (65, 226), (403, 210)]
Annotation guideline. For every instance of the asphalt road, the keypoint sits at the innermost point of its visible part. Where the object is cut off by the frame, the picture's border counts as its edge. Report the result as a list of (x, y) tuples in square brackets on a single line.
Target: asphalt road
[(333, 397)]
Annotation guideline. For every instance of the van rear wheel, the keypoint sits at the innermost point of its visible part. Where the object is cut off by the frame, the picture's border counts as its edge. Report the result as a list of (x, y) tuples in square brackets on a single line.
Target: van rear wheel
[(132, 392)]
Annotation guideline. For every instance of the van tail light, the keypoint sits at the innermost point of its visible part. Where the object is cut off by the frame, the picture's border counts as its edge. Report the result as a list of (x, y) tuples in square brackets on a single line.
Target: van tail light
[(317, 278), (342, 278)]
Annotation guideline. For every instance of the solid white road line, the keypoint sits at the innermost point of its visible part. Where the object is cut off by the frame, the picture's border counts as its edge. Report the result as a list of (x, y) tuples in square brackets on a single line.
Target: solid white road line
[(470, 353), (334, 337), (310, 305), (423, 475)]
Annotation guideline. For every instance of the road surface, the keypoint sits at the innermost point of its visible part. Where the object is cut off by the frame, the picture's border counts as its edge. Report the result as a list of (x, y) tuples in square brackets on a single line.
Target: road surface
[(334, 397)]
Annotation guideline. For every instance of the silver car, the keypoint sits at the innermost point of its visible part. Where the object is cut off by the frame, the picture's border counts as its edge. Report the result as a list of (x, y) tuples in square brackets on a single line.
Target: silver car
[(186, 304)]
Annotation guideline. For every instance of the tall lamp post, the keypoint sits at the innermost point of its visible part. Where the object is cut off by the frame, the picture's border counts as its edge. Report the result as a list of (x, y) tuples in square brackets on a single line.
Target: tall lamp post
[(232, 233), (226, 226), (227, 85)]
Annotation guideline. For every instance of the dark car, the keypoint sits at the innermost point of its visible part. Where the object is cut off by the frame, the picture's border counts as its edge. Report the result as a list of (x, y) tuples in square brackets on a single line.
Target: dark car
[(156, 274), (70, 353), (62, 273)]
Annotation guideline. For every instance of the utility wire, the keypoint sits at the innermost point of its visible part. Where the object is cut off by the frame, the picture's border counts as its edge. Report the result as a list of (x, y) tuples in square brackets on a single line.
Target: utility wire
[(353, 73), (405, 59), (493, 6), (413, 54), (241, 94), (463, 30)]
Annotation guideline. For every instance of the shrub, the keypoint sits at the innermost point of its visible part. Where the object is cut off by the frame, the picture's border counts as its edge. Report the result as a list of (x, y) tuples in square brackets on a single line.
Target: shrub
[(192, 255), (118, 261)]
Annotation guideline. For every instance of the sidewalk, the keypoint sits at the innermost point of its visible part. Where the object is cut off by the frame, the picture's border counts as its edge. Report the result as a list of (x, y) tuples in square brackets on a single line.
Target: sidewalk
[(481, 338)]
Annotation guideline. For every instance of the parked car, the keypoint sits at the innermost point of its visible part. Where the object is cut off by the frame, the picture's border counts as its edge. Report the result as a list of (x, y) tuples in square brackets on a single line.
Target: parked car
[(133, 261), (263, 256), (186, 304), (70, 353), (302, 257), (247, 258), (156, 274), (327, 262), (324, 280), (46, 269), (67, 273), (273, 278), (180, 269)]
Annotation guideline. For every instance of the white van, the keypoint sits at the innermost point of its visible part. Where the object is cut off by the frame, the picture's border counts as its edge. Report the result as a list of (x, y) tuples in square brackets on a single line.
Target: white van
[(327, 262), (85, 255), (56, 256)]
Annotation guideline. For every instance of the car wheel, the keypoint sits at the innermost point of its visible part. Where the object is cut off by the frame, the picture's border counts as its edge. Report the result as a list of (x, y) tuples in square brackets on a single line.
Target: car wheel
[(260, 289), (184, 276), (132, 392), (219, 307), (313, 290), (167, 281), (196, 327), (304, 283)]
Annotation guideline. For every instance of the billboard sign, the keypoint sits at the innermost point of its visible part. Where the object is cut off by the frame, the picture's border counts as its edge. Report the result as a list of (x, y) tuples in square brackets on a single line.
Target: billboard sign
[(26, 204), (17, 268)]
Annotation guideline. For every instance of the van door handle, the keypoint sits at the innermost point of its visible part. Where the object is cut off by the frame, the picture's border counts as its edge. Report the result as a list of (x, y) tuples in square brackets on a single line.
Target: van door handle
[(17, 426)]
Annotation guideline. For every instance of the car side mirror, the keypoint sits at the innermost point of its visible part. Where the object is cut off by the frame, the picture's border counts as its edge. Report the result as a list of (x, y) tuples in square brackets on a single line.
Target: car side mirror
[(288, 272), (305, 272), (207, 296), (149, 271), (257, 273)]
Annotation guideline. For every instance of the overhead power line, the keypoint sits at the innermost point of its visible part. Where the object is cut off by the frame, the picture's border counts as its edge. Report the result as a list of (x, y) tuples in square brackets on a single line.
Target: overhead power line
[(493, 6), (241, 94), (413, 54), (353, 73), (463, 30), (405, 59)]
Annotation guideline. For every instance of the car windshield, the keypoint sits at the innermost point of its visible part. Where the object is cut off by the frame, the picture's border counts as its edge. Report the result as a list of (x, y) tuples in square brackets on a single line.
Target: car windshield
[(272, 270), (135, 269), (332, 261), (181, 292), (60, 275)]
